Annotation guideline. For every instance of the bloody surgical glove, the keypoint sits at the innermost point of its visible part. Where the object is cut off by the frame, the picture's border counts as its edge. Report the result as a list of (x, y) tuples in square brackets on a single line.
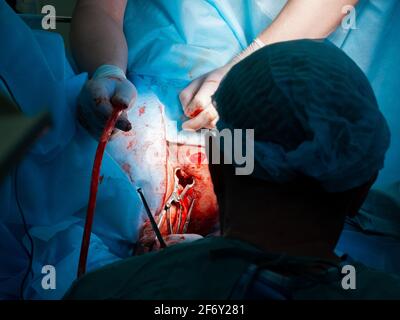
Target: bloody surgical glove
[(108, 88), (196, 99)]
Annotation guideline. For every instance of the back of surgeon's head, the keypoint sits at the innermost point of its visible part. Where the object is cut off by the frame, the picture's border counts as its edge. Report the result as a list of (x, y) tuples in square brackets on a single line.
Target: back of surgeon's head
[(320, 141)]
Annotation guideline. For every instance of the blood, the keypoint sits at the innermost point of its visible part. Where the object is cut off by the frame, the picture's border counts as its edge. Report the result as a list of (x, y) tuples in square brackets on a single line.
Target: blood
[(184, 178), (128, 134), (193, 164), (198, 158), (195, 113), (127, 168), (131, 145), (142, 111), (94, 186)]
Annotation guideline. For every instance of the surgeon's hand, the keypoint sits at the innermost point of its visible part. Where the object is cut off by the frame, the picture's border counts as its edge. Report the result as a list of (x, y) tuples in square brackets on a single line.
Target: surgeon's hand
[(197, 103), (108, 87), (196, 99)]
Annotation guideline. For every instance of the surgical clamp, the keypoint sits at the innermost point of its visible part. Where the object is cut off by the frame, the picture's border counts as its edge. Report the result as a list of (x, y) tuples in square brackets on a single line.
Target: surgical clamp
[(175, 198)]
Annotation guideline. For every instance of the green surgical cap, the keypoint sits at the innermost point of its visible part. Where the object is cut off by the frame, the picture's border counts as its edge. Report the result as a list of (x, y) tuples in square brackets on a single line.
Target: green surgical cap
[(314, 114)]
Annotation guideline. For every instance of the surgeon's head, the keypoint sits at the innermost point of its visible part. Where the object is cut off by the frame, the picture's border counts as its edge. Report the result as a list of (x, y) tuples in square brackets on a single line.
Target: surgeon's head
[(320, 141)]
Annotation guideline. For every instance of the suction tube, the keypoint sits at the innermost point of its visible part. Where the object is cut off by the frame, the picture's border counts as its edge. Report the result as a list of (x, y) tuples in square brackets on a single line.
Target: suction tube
[(94, 186)]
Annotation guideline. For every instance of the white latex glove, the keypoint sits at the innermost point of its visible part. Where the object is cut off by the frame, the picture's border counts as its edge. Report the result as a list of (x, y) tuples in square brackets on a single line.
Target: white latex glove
[(108, 87), (196, 99)]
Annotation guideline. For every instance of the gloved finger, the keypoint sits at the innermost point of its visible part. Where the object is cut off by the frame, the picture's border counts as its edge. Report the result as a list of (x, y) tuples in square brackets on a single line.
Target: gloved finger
[(100, 91), (213, 124), (123, 123), (95, 126), (187, 94), (203, 98), (125, 94), (90, 121), (204, 120)]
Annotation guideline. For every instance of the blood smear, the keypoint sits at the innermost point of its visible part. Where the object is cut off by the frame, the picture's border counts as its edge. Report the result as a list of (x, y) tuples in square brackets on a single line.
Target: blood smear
[(142, 111), (127, 168), (198, 158), (131, 145)]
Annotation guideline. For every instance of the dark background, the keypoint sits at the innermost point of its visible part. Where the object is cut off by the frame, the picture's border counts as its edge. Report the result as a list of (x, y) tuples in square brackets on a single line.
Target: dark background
[(12, 3)]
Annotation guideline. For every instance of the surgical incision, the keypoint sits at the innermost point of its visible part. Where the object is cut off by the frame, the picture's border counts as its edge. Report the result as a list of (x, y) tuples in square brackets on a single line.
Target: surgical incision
[(190, 206)]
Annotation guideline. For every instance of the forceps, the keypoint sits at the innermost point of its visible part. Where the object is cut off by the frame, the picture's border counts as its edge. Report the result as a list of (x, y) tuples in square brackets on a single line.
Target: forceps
[(176, 198)]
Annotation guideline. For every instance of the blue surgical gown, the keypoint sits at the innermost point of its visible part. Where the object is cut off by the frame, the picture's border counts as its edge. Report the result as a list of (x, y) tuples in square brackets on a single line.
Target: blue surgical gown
[(50, 187), (170, 44)]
